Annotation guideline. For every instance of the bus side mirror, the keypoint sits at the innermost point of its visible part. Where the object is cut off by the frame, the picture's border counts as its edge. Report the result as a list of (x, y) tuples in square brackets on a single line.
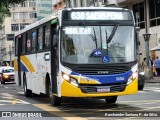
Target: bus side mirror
[(55, 35)]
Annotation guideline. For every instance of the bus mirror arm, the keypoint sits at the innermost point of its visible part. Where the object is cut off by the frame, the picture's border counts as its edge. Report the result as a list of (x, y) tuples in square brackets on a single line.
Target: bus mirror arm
[(58, 28)]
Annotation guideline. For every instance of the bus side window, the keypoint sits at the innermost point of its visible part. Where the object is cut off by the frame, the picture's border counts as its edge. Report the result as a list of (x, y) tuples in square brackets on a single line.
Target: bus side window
[(16, 46), (40, 38), (34, 38), (24, 44), (55, 36), (46, 36), (28, 40)]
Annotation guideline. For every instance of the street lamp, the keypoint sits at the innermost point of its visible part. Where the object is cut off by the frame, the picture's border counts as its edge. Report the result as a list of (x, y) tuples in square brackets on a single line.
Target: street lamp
[(148, 73)]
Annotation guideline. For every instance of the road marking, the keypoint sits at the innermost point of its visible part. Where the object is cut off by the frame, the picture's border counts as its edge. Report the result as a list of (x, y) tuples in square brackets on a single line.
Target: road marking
[(148, 108), (22, 93), (16, 101), (140, 101), (51, 109), (2, 104), (142, 92), (6, 94), (8, 98), (154, 89)]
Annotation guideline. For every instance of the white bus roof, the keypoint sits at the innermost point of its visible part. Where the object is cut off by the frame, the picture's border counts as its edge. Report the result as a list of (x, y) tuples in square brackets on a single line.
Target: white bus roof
[(44, 20), (94, 8)]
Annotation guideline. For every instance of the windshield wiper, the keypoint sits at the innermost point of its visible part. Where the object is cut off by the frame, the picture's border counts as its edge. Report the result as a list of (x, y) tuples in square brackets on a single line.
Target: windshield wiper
[(93, 37), (112, 33)]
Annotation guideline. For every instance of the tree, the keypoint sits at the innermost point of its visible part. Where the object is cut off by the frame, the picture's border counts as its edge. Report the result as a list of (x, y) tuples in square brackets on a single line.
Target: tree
[(7, 3), (4, 12), (5, 9)]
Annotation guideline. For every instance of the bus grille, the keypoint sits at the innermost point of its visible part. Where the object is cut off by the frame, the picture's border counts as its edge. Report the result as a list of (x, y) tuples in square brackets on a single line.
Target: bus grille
[(101, 70), (93, 88)]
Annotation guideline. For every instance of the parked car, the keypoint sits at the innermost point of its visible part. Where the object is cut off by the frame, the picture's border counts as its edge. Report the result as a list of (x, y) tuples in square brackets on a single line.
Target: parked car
[(141, 80), (6, 74)]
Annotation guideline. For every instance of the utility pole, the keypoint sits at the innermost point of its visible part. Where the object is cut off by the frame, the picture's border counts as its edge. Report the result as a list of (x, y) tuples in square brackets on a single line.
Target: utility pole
[(148, 73), (10, 54)]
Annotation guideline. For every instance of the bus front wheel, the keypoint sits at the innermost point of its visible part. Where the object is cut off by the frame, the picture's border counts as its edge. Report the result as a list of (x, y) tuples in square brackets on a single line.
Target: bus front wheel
[(111, 99), (55, 100), (27, 92), (2, 82)]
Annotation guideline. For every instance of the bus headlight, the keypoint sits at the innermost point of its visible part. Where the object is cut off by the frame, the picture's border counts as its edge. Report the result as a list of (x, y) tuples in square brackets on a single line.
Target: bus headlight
[(65, 76), (132, 77), (70, 79)]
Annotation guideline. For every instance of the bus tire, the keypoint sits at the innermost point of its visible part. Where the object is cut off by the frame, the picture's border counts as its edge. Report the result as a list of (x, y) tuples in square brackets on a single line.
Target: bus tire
[(111, 99), (140, 87), (2, 82), (27, 92), (55, 100)]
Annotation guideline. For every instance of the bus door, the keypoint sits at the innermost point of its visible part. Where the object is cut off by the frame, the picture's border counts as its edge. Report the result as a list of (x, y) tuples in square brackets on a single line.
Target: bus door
[(54, 56)]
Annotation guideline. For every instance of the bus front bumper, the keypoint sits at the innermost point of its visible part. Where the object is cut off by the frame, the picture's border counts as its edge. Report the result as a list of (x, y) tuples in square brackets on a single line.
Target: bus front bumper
[(69, 90)]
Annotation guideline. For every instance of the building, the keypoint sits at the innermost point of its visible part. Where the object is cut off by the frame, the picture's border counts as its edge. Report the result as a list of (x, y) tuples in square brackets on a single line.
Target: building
[(60, 4), (44, 8), (152, 25), (22, 15)]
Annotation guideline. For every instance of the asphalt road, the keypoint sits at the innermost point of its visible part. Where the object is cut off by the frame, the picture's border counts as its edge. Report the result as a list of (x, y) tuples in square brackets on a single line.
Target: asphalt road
[(144, 105)]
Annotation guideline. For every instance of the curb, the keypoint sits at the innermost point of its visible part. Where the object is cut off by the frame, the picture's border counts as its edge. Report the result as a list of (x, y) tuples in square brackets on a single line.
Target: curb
[(152, 81)]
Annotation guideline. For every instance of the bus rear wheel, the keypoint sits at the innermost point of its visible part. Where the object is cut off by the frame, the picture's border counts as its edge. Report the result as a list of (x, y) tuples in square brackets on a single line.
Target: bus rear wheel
[(111, 99), (27, 92), (55, 101)]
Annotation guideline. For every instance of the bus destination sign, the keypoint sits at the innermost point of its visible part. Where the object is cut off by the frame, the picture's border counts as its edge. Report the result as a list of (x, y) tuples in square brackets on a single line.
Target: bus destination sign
[(99, 15)]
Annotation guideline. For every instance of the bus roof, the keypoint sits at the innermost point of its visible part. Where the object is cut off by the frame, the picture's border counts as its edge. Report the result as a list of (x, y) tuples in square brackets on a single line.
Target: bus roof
[(54, 15), (94, 8), (44, 20)]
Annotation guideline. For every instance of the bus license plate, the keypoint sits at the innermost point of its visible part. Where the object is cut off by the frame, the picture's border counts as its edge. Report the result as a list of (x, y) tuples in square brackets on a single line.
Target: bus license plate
[(103, 89)]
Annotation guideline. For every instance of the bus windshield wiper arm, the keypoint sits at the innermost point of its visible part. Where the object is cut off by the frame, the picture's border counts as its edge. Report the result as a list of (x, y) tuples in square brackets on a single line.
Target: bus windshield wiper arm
[(93, 37), (112, 33)]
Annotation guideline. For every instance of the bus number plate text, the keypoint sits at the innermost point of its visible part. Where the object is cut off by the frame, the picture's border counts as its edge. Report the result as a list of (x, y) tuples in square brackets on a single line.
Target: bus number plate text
[(103, 89)]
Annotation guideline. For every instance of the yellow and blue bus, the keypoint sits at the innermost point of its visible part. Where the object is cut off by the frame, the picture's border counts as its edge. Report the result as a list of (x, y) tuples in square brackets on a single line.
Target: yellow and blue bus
[(79, 52)]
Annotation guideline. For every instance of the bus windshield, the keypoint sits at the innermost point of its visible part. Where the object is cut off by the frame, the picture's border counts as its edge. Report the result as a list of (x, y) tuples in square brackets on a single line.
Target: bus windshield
[(97, 44)]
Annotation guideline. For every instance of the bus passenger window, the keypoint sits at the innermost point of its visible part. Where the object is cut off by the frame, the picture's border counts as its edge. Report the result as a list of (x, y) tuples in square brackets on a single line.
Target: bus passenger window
[(24, 44), (55, 36), (34, 38), (47, 34), (16, 48), (40, 39), (28, 43)]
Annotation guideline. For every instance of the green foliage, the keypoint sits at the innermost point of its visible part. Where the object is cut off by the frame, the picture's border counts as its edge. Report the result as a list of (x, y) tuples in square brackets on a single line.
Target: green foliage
[(6, 3), (4, 8)]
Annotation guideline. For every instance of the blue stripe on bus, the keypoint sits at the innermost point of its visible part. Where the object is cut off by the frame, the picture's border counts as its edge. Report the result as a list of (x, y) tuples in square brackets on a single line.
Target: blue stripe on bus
[(23, 68), (105, 79)]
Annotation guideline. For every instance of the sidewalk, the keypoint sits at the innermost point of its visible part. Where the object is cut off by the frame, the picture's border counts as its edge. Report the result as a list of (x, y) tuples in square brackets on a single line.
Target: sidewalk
[(154, 80)]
